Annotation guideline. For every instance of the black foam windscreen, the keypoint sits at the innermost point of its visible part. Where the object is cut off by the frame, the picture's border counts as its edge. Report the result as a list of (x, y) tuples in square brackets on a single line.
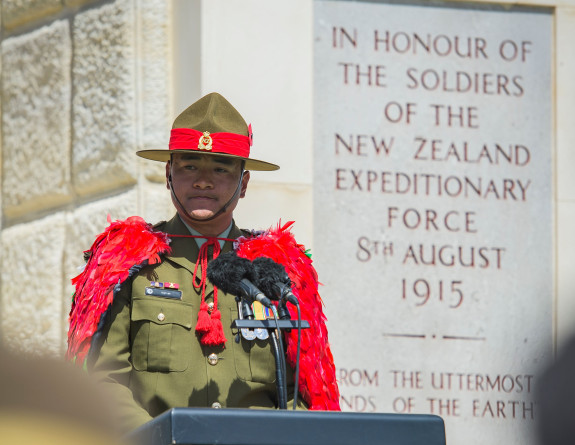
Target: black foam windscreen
[(227, 270), (271, 277)]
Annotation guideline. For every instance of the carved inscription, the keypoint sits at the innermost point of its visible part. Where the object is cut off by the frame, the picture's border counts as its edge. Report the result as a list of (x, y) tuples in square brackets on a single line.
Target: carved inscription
[(432, 192)]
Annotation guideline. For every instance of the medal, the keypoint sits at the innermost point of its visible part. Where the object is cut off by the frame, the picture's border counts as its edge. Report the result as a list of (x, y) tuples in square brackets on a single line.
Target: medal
[(262, 334), (166, 285), (261, 313), (248, 334), (164, 290)]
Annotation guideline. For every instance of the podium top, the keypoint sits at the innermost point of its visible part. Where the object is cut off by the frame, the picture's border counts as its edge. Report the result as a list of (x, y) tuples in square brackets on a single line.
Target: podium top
[(234, 426)]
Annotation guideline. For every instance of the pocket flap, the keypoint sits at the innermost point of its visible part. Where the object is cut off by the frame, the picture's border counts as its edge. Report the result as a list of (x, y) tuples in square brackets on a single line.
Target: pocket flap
[(162, 311)]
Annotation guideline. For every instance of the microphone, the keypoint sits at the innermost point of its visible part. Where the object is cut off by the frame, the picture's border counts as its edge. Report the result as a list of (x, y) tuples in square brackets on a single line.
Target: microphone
[(235, 275), (273, 280)]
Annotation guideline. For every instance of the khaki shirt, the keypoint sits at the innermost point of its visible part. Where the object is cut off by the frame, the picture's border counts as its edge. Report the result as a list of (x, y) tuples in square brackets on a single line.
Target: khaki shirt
[(150, 359)]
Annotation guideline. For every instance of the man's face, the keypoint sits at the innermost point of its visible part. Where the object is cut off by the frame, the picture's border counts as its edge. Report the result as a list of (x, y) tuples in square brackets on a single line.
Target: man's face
[(204, 184)]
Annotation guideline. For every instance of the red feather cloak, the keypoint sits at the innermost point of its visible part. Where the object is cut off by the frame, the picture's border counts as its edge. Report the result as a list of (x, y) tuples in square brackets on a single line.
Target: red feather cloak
[(126, 246)]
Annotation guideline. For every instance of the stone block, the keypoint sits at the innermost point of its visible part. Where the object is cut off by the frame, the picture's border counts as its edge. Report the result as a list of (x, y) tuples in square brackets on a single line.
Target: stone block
[(280, 66), (36, 119), (155, 72), (76, 3), (156, 202), (155, 171), (104, 102), (1, 157), (31, 285), (155, 66), (565, 304), (565, 97), (267, 203), (19, 12)]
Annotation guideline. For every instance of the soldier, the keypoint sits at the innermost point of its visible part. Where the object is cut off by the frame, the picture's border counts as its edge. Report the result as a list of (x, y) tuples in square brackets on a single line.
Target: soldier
[(148, 323)]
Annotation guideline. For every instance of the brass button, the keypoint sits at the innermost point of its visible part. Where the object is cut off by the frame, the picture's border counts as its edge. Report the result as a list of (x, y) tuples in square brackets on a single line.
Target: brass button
[(213, 359), (216, 405), (161, 317)]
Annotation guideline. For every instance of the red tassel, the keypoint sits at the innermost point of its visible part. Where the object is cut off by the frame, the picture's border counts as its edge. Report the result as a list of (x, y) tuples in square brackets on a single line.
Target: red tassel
[(204, 324), (215, 336), (209, 327)]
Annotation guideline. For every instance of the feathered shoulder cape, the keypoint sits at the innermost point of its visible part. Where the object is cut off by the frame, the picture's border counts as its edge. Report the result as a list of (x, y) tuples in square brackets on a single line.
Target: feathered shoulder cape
[(126, 246)]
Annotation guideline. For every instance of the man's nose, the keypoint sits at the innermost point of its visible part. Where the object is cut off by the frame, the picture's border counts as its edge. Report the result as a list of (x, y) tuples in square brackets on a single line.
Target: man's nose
[(204, 179)]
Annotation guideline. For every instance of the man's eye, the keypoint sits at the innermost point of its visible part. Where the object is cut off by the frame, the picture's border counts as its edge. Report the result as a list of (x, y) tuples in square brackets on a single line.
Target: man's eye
[(221, 170)]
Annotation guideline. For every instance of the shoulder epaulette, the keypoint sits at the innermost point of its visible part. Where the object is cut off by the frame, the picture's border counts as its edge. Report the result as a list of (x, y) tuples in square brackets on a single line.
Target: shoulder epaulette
[(158, 225)]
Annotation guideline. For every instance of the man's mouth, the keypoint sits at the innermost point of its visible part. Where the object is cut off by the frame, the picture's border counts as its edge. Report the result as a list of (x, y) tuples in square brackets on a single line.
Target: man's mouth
[(203, 198)]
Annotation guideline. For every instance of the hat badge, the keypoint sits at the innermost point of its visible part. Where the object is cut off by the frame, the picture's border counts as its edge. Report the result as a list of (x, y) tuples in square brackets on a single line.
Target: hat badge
[(205, 142)]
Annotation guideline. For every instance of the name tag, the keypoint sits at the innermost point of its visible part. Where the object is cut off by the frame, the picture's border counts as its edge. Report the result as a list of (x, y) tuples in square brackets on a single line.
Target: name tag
[(164, 293)]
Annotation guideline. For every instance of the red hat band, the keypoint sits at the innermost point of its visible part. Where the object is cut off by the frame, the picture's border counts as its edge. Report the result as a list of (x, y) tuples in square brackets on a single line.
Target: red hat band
[(206, 142)]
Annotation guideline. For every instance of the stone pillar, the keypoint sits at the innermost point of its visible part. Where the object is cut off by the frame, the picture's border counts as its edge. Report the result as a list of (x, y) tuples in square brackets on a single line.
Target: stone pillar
[(85, 84)]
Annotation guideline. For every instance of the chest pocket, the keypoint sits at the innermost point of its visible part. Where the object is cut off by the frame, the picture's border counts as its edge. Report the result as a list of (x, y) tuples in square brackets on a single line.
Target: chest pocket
[(161, 334), (254, 359)]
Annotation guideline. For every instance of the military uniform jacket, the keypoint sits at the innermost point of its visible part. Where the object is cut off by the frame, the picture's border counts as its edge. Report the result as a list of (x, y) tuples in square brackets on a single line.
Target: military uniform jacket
[(150, 359)]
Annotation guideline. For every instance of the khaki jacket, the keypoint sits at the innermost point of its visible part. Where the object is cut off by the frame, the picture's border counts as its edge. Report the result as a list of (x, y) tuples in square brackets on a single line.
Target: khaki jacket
[(150, 359)]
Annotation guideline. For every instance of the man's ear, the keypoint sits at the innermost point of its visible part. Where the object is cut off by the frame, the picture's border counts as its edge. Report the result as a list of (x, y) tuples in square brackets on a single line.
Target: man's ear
[(168, 174), (245, 180)]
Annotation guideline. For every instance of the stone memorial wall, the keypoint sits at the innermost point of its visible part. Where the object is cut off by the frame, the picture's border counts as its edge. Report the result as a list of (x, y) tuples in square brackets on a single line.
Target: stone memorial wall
[(85, 84), (433, 209)]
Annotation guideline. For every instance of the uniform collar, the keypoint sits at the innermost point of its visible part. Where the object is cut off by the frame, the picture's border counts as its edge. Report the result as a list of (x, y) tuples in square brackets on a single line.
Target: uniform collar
[(184, 251), (201, 241)]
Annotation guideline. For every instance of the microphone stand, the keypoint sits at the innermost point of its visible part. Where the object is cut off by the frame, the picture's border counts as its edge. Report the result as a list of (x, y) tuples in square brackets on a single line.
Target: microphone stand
[(277, 347), (280, 371)]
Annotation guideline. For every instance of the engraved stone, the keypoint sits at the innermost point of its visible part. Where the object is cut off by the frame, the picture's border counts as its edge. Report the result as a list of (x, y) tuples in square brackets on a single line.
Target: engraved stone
[(433, 210)]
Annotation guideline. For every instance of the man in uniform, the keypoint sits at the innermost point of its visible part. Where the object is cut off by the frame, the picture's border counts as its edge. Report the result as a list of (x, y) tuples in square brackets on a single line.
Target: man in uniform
[(162, 338)]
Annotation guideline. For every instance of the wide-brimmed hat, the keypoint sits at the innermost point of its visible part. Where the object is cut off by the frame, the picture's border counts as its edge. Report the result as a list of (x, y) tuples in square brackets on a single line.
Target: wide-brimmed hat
[(211, 126)]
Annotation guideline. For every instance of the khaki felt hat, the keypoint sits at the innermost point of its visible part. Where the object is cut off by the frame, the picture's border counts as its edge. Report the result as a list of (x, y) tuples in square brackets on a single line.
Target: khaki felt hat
[(211, 126)]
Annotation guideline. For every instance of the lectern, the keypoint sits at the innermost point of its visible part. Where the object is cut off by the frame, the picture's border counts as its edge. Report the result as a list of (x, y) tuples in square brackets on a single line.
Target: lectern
[(231, 426)]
